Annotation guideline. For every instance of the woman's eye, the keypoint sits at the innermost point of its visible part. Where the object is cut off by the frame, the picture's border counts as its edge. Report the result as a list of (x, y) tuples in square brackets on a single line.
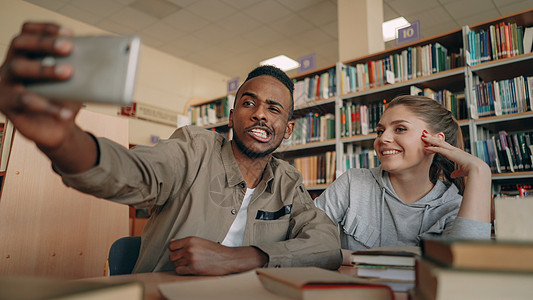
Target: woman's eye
[(379, 132), (400, 129)]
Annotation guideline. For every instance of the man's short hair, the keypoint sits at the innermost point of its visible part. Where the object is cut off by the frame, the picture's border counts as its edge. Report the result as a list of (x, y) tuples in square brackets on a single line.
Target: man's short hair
[(276, 73)]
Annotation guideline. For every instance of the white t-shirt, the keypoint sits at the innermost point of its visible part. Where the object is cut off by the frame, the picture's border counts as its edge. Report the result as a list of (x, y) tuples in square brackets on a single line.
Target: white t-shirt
[(235, 234)]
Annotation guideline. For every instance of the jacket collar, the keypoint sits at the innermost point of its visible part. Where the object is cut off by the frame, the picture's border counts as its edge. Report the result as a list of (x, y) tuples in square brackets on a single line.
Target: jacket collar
[(233, 173)]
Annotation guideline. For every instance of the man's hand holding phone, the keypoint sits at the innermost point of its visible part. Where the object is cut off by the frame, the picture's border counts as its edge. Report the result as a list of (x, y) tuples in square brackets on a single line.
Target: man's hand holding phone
[(50, 124), (36, 117)]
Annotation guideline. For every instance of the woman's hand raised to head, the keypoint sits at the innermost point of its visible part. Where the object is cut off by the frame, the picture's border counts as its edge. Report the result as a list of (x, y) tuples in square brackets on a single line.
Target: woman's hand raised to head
[(477, 193), (465, 161)]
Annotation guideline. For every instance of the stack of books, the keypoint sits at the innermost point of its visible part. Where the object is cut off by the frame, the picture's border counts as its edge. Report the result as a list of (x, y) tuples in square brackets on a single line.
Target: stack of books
[(474, 269), (391, 266)]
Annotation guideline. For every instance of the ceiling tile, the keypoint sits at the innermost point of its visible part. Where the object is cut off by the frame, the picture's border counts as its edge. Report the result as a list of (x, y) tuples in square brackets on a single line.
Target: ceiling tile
[(332, 29), (466, 8), (213, 34), (237, 45), (102, 8), (432, 17), (516, 7), (241, 4), (297, 5), (49, 4), (448, 1), (186, 21), (150, 41), (125, 2), (315, 36), (319, 14), (479, 17), (291, 25), (155, 8), (267, 11), (389, 13), (189, 43), (239, 23), (79, 14), (211, 10), (262, 35), (113, 27), (410, 7), (163, 32), (500, 3), (132, 18), (182, 3)]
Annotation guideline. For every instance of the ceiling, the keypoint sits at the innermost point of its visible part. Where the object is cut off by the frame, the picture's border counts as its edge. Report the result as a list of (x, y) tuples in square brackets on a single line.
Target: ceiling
[(232, 36)]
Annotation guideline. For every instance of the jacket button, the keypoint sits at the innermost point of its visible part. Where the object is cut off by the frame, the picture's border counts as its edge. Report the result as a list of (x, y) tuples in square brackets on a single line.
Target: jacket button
[(242, 185), (277, 266), (233, 211)]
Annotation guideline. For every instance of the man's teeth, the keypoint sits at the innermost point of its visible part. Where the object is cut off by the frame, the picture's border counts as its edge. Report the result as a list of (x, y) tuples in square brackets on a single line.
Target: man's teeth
[(260, 133), (388, 152)]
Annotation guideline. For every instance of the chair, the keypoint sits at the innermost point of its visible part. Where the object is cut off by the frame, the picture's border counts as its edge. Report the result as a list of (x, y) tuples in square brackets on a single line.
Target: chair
[(123, 255)]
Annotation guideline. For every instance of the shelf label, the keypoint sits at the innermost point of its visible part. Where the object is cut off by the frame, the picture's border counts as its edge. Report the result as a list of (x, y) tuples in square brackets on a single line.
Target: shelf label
[(390, 76), (233, 85), (408, 34), (307, 63), (468, 60)]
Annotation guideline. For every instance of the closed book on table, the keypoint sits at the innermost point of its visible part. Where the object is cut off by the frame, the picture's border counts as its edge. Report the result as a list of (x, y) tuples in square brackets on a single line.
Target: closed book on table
[(309, 283), (386, 256), (30, 288), (434, 282), (500, 255)]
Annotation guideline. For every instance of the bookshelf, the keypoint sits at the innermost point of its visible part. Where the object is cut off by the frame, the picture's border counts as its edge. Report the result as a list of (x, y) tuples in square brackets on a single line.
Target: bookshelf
[(501, 98), (442, 67)]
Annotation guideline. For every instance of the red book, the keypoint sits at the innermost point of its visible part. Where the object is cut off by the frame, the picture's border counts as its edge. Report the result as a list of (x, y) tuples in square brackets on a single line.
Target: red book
[(315, 283)]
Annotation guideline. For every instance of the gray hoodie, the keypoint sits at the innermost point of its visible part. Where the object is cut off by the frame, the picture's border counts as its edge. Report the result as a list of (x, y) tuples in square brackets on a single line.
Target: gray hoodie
[(365, 205)]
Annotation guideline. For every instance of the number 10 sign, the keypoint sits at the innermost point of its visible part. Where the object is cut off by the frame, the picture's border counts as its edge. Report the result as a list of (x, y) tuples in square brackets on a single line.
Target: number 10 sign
[(408, 34)]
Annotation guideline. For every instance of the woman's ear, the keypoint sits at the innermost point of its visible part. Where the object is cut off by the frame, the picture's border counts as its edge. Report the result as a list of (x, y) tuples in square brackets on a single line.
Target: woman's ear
[(441, 136)]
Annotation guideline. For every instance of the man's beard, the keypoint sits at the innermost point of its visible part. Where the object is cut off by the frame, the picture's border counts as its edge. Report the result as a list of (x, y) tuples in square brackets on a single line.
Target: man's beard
[(250, 153)]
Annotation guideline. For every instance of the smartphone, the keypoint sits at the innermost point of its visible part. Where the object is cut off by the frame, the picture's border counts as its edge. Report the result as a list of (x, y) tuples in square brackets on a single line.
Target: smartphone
[(105, 68)]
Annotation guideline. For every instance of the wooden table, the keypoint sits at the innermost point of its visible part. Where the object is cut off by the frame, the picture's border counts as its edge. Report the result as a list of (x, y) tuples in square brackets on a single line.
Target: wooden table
[(152, 280)]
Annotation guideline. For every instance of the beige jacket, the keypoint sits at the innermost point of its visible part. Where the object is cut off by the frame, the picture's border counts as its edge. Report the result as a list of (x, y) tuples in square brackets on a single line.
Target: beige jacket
[(194, 186)]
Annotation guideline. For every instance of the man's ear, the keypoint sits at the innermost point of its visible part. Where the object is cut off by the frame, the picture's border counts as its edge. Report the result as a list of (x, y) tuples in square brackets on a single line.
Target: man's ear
[(230, 119), (289, 129)]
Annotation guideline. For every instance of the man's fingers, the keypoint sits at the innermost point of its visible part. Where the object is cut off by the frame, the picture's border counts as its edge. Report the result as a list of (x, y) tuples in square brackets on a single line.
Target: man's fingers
[(41, 28), (42, 44), (38, 69)]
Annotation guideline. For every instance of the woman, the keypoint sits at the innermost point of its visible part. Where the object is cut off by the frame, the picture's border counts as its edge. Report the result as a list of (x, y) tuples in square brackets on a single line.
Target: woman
[(419, 189)]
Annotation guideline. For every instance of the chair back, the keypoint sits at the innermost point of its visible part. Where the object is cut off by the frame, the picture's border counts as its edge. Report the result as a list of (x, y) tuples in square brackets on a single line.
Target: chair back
[(123, 255)]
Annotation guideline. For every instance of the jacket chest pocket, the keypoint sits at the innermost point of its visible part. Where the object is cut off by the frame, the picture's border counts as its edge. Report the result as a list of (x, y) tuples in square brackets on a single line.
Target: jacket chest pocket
[(271, 230)]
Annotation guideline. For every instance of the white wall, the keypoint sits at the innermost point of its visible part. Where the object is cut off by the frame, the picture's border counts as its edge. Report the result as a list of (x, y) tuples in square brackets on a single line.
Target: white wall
[(162, 80)]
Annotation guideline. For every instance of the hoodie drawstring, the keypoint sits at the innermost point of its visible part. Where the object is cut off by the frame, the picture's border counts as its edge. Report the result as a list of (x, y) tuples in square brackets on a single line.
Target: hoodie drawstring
[(423, 217), (381, 216)]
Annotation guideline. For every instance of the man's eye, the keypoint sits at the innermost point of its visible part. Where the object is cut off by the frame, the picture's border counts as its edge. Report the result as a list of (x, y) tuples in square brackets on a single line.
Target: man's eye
[(379, 132), (275, 109)]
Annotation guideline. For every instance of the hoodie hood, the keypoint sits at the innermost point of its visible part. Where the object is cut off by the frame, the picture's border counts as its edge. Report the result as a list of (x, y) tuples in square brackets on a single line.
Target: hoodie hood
[(439, 195)]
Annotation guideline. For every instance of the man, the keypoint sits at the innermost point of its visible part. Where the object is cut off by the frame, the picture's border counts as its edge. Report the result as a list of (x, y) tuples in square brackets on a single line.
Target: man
[(218, 207)]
